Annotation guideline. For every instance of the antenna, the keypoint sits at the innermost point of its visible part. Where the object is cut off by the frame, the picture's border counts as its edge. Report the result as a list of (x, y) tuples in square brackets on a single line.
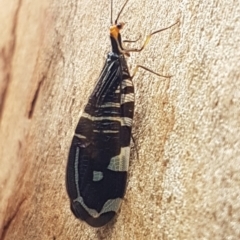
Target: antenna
[(111, 12), (120, 11)]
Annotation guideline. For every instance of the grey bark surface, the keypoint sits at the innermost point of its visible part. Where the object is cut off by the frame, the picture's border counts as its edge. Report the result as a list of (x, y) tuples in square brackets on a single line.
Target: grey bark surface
[(185, 183)]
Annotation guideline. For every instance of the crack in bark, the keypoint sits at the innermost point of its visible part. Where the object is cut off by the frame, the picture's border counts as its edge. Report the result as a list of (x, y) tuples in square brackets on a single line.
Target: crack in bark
[(35, 97), (9, 222), (37, 91)]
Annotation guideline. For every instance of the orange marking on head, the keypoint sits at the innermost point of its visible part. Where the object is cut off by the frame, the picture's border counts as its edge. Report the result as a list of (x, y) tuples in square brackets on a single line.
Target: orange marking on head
[(115, 29)]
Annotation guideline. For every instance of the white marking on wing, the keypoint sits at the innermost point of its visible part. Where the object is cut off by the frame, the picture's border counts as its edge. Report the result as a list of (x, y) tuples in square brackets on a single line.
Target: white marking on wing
[(92, 118), (126, 122), (76, 170), (110, 104), (97, 176), (120, 162), (110, 205), (127, 83), (127, 98), (79, 136)]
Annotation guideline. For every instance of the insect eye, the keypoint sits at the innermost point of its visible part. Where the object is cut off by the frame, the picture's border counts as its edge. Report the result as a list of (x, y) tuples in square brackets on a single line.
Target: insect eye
[(119, 26)]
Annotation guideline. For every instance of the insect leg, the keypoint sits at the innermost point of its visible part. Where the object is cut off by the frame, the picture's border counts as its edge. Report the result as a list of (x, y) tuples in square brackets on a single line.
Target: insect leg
[(147, 69), (148, 39), (135, 146), (143, 46), (131, 41)]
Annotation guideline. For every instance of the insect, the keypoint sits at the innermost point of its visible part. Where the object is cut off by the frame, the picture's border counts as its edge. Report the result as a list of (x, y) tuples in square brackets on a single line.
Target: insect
[(99, 155)]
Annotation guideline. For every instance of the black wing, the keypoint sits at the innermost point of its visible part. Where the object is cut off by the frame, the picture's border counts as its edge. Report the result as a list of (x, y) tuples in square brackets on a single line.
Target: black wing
[(98, 158)]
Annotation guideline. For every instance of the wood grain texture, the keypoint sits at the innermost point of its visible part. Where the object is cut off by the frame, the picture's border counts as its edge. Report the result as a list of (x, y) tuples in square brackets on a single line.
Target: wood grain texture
[(185, 184)]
